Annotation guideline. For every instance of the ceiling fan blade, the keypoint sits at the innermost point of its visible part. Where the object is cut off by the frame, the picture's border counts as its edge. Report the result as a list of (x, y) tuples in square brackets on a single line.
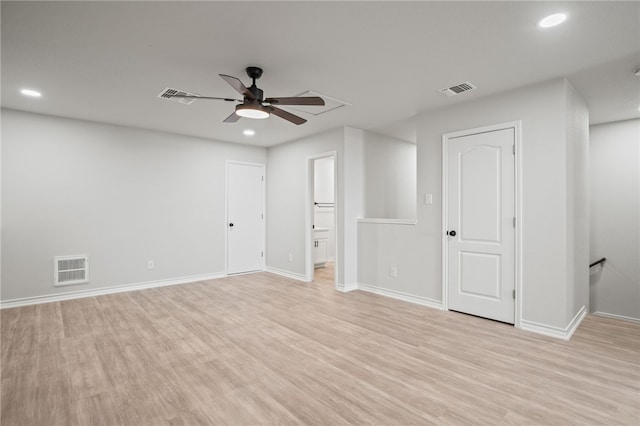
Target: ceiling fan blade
[(286, 115), (205, 97), (237, 84), (232, 118), (308, 100)]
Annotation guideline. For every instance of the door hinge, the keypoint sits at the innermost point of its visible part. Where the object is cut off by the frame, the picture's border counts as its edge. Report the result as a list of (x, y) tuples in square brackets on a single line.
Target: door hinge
[(514, 222), (261, 215), (263, 176), (514, 294), (261, 254), (514, 149)]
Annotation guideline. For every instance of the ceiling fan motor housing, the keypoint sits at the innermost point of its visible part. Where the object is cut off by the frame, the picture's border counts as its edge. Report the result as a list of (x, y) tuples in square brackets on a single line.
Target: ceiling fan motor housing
[(255, 73), (257, 93)]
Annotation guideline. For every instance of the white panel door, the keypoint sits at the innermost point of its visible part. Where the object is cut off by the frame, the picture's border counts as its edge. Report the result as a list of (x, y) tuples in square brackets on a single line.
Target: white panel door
[(245, 217), (481, 224)]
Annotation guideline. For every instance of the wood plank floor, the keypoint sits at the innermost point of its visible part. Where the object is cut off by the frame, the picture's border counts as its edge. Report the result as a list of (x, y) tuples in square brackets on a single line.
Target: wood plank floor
[(262, 349)]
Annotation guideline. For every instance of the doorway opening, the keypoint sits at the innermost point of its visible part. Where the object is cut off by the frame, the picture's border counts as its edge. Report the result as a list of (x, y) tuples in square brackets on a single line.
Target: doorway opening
[(322, 248)]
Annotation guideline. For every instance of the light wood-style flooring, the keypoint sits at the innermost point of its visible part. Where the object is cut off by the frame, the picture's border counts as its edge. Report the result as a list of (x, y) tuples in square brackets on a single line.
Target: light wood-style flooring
[(262, 349)]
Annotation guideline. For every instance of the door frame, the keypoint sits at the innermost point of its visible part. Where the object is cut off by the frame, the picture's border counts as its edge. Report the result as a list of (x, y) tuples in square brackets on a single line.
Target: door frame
[(517, 127), (309, 266), (226, 212)]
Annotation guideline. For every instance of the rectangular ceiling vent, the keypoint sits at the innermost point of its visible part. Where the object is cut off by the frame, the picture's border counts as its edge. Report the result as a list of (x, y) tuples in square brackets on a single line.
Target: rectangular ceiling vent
[(330, 104), (168, 93), (70, 270), (458, 88)]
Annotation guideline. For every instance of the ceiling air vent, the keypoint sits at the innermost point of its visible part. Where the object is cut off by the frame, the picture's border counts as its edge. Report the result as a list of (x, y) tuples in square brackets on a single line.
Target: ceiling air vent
[(168, 93), (70, 270), (457, 89)]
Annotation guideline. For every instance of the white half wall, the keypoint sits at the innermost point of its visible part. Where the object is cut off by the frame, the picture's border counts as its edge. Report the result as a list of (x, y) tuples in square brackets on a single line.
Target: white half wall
[(121, 195), (615, 218)]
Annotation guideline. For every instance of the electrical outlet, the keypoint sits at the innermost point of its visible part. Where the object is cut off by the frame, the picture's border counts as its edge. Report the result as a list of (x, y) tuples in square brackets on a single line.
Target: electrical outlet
[(428, 198), (150, 264), (290, 257), (393, 272)]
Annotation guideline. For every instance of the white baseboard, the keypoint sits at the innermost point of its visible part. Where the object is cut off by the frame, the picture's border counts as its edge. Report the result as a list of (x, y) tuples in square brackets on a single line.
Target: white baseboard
[(616, 316), (78, 294), (424, 301), (557, 332), (287, 274), (345, 288)]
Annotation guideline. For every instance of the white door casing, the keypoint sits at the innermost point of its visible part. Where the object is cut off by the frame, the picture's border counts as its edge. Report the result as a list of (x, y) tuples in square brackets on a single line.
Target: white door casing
[(310, 240), (245, 217), (480, 269)]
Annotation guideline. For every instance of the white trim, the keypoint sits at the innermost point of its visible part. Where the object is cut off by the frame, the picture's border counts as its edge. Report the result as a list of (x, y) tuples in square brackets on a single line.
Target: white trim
[(286, 274), (519, 222), (24, 301), (345, 288), (557, 332), (310, 210), (226, 212), (616, 316), (517, 126), (405, 297), (445, 226), (387, 221)]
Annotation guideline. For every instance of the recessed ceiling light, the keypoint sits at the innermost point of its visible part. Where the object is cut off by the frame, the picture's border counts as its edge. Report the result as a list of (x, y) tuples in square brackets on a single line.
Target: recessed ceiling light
[(32, 93), (249, 132), (552, 20)]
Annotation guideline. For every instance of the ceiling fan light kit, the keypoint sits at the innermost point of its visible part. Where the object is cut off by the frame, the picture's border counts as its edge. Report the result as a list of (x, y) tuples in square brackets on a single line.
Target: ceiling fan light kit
[(251, 111), (254, 105)]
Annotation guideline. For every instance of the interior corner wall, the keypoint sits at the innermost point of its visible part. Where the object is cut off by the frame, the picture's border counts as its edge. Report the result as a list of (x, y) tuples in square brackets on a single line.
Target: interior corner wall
[(577, 211), (352, 200), (286, 184), (389, 177), (121, 195), (615, 218), (542, 110)]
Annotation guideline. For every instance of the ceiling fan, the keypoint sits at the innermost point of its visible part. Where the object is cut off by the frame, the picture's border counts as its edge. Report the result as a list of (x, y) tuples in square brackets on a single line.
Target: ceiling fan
[(254, 105)]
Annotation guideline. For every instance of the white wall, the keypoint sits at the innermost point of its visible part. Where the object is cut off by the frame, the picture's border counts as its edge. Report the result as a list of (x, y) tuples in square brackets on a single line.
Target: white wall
[(615, 218), (323, 180), (287, 185), (352, 200), (577, 140), (121, 195), (542, 109), (389, 177), (324, 192), (287, 180)]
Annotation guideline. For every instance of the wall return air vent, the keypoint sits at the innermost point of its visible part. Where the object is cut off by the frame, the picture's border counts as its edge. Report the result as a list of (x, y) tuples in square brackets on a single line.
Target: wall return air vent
[(70, 270), (169, 92), (458, 88)]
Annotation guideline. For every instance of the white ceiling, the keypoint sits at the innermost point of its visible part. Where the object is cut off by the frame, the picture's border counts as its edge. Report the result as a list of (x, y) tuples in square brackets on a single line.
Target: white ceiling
[(107, 61)]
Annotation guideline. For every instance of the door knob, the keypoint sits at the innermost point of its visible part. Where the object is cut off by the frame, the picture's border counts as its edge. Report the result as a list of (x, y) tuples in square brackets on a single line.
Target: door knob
[(231, 225), (451, 233)]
